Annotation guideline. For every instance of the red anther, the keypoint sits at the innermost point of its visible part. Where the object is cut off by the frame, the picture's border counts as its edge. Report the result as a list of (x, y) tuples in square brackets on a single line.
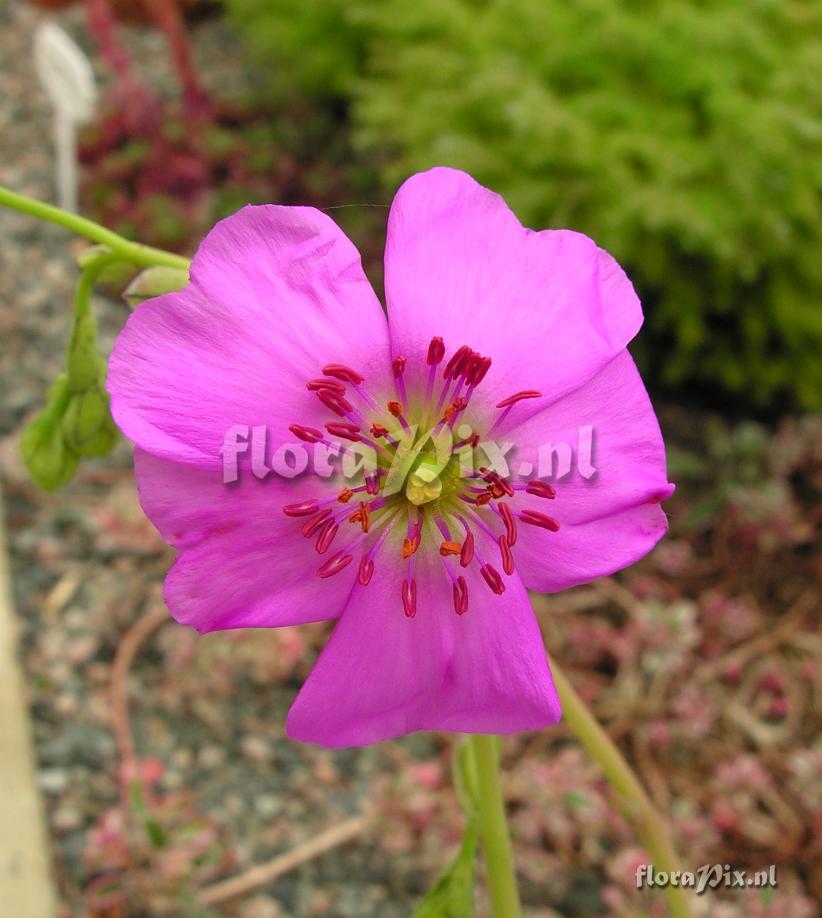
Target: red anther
[(346, 374), (410, 545), (479, 370), (475, 441), (335, 402), (510, 523), (306, 508), (450, 548), (315, 523), (492, 577), (334, 565), (497, 491), (507, 557), (366, 571), (541, 489), (469, 366), (398, 365), (346, 431), (313, 385), (460, 596), (377, 430), (456, 360), (482, 499), (517, 397), (459, 404), (308, 434), (535, 518), (345, 495), (436, 351), (449, 412), (326, 536), (409, 597), (395, 408), (372, 484), (467, 552), (462, 365)]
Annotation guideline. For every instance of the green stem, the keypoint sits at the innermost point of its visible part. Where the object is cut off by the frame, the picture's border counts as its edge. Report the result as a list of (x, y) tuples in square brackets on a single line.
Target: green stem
[(493, 828), (635, 803), (141, 255)]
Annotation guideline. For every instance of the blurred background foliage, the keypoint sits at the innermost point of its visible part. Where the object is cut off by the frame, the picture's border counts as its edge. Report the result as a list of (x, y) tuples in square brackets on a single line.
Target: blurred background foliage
[(684, 136)]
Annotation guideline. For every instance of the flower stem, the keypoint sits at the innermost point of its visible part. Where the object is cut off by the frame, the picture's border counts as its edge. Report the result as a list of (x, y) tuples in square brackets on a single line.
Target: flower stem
[(141, 255), (632, 798), (493, 828)]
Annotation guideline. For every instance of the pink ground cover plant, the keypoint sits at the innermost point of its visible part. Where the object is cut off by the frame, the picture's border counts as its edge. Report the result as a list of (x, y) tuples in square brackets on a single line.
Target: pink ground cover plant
[(495, 337)]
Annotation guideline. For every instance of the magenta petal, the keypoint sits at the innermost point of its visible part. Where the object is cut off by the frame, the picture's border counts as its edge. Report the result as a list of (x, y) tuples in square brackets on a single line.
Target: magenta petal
[(383, 675), (242, 562), (275, 294), (550, 308), (611, 519)]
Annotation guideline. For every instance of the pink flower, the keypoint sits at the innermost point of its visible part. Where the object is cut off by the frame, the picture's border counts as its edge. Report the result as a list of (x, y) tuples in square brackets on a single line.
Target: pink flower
[(495, 334)]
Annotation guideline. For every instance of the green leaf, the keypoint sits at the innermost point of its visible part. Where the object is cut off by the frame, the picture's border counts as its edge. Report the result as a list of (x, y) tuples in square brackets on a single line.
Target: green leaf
[(50, 461), (153, 282), (452, 896)]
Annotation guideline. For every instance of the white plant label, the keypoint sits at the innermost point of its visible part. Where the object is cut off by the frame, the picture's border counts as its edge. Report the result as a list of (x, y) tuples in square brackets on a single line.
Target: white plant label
[(67, 77)]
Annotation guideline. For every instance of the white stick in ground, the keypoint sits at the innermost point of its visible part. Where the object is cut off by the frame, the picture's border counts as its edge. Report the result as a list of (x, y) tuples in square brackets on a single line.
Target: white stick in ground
[(66, 75)]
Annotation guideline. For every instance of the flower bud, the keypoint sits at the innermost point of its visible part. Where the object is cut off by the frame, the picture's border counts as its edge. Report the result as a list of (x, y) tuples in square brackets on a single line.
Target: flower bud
[(50, 461), (153, 282)]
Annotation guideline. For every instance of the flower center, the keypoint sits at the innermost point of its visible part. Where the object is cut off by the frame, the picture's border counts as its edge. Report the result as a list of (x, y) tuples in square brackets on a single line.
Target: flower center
[(419, 472)]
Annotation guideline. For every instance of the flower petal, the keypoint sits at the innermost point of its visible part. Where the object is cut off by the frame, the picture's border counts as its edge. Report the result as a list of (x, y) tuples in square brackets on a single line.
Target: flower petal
[(550, 308), (275, 294), (243, 563), (383, 675), (611, 518)]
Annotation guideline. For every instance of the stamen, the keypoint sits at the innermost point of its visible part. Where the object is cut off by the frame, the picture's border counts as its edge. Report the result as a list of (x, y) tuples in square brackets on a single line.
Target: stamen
[(460, 596), (455, 363), (395, 409), (346, 431), (314, 385), (517, 397), (326, 536), (334, 565), (306, 508), (366, 571), (345, 495), (467, 552), (492, 577), (510, 523), (409, 597), (541, 489), (479, 371), (336, 403), (346, 374), (398, 366), (495, 479), (535, 518), (508, 403), (315, 523), (361, 516), (507, 557), (307, 434), (450, 548), (436, 351)]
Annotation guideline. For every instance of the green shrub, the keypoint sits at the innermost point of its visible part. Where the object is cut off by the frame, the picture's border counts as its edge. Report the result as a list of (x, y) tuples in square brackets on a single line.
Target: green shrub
[(683, 136)]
